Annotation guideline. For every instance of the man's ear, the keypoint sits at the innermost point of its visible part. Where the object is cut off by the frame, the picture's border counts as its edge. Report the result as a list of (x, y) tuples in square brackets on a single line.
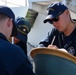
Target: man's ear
[(9, 22), (67, 12)]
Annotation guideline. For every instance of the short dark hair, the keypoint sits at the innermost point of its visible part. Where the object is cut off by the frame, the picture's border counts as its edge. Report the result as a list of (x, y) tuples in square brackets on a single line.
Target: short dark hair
[(3, 16)]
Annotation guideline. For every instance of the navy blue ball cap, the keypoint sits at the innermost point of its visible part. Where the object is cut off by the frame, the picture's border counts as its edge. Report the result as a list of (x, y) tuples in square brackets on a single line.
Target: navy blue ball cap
[(22, 37), (54, 10), (24, 27), (8, 12)]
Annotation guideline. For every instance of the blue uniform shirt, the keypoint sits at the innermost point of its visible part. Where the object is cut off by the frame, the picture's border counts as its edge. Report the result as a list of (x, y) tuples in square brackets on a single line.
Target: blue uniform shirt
[(61, 41), (13, 60)]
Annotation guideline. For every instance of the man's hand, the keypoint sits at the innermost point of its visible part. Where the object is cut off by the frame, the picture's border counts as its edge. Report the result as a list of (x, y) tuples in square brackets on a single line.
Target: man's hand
[(53, 47)]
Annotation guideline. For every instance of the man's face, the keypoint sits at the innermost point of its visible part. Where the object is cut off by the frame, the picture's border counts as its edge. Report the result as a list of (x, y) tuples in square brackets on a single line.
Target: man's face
[(9, 27), (62, 22)]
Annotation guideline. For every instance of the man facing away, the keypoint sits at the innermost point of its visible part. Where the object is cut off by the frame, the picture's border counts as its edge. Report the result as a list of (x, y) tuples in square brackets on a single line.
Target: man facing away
[(23, 27), (13, 60)]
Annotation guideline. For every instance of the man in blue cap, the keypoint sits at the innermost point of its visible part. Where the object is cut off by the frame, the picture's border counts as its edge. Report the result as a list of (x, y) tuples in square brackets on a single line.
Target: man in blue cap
[(13, 61), (24, 28), (63, 35)]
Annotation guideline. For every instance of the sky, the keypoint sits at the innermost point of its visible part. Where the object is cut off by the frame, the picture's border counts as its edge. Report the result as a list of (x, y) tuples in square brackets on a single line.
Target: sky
[(13, 3)]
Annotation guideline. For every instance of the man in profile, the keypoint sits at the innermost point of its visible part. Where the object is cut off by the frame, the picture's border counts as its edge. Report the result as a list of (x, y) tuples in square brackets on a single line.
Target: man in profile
[(13, 60)]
